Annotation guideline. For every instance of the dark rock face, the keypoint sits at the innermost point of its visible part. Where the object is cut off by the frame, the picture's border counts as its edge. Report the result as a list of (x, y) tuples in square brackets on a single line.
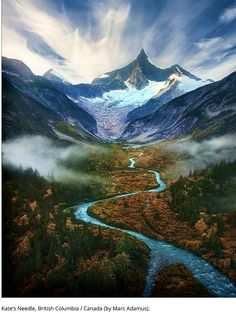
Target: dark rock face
[(24, 115), (144, 69), (17, 68), (26, 95), (137, 79), (208, 110), (145, 110)]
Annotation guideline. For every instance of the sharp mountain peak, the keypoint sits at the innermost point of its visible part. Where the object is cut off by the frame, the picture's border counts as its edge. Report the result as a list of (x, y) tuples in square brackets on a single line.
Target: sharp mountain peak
[(142, 55)]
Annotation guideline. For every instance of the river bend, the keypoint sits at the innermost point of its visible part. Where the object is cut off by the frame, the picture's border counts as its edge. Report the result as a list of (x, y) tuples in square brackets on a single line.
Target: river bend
[(163, 253)]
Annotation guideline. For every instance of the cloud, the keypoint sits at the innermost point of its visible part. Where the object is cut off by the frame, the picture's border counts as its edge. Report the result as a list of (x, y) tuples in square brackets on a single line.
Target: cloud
[(111, 41), (41, 153), (15, 46), (228, 15), (86, 56), (206, 43), (205, 153), (222, 69), (221, 56), (171, 33), (215, 56), (108, 34)]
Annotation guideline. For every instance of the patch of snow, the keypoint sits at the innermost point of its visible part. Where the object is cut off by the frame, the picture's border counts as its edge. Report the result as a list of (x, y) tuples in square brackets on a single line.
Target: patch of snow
[(179, 70), (71, 121), (11, 73), (187, 84), (104, 76), (174, 76), (130, 87)]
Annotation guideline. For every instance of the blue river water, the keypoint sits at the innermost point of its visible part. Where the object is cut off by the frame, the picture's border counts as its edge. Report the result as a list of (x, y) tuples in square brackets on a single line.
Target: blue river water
[(132, 163), (163, 253)]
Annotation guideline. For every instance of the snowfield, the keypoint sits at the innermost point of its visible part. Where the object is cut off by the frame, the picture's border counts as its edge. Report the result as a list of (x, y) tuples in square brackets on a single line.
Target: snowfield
[(111, 109), (131, 96)]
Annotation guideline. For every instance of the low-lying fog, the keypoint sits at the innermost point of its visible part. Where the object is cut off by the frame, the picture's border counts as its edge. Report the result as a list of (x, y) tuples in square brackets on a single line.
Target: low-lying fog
[(43, 154), (205, 153), (47, 157)]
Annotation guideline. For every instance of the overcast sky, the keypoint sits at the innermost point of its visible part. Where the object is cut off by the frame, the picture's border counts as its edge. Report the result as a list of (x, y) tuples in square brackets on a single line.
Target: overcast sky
[(82, 39)]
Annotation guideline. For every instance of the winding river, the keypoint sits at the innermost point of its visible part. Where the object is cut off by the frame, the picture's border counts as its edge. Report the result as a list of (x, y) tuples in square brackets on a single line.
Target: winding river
[(163, 253)]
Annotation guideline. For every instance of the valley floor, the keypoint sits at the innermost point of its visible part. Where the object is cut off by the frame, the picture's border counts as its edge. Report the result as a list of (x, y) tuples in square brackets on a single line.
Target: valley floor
[(48, 252), (153, 215)]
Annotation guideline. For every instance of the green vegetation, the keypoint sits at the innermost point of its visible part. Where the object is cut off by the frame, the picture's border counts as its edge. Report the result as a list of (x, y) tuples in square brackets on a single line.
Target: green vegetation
[(210, 189), (98, 160), (47, 252), (206, 200), (69, 130)]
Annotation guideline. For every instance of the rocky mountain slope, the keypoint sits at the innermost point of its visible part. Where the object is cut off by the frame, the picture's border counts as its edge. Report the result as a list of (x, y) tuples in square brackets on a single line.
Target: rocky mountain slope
[(112, 101), (140, 71), (32, 105), (208, 110), (147, 88)]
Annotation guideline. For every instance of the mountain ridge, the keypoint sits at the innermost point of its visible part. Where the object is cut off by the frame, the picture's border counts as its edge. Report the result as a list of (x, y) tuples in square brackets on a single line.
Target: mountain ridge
[(149, 71), (120, 96), (135, 74), (107, 106), (209, 109), (35, 93)]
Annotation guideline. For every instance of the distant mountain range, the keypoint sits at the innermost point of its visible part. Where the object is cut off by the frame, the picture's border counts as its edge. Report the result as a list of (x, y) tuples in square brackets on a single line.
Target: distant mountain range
[(207, 111), (138, 102)]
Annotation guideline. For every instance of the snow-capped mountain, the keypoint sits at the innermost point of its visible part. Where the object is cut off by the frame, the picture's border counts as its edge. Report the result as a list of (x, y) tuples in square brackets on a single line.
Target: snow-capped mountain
[(208, 110), (141, 71), (177, 84), (137, 89), (49, 105), (117, 97)]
